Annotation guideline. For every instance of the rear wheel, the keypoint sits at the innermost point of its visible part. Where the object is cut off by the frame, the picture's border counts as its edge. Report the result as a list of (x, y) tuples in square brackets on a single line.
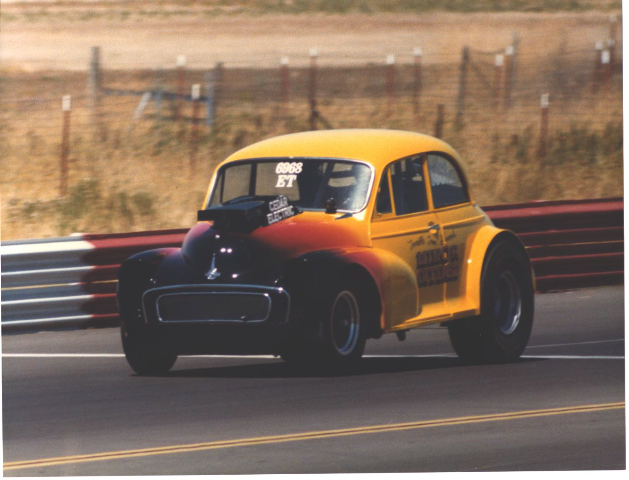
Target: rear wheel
[(502, 331), (147, 351)]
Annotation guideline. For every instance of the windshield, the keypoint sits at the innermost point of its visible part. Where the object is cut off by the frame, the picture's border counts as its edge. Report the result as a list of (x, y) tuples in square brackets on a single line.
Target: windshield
[(308, 183)]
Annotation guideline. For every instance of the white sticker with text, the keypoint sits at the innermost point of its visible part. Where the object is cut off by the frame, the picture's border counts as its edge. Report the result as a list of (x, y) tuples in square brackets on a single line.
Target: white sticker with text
[(287, 173)]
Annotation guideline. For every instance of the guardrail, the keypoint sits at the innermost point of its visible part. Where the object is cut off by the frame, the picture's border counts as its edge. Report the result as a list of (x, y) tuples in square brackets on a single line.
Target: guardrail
[(71, 281)]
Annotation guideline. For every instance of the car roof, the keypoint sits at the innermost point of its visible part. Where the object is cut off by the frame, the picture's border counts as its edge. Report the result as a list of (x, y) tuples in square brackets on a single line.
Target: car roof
[(375, 146)]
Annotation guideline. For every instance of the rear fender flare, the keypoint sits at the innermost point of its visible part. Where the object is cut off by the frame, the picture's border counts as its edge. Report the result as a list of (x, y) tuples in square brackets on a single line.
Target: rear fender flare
[(482, 246)]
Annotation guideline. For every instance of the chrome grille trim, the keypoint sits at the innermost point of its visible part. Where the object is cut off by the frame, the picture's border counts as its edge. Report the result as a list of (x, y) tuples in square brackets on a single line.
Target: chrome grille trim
[(214, 320), (214, 289)]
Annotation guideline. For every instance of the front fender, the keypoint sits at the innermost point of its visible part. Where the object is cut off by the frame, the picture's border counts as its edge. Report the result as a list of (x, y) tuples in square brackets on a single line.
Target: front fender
[(384, 275), (135, 276)]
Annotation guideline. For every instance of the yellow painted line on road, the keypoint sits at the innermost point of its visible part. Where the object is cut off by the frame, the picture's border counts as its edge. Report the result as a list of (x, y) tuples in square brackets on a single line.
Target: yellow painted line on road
[(295, 437)]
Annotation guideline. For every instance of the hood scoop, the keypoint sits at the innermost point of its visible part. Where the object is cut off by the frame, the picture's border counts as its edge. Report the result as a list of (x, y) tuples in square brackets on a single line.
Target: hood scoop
[(246, 216)]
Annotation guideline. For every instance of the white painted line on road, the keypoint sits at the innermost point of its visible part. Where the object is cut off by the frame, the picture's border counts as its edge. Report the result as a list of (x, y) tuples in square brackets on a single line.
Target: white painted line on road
[(576, 357), (62, 355), (576, 343), (546, 357), (272, 357)]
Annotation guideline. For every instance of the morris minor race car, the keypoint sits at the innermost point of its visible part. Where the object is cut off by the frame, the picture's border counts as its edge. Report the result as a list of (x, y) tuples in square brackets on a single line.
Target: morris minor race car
[(309, 244)]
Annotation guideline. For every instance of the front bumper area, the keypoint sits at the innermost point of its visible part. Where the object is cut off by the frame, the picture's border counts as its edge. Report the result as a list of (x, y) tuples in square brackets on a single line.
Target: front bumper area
[(228, 319)]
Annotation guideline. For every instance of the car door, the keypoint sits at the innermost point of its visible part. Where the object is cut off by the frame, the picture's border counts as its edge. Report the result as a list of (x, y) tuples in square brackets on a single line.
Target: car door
[(459, 219), (404, 225)]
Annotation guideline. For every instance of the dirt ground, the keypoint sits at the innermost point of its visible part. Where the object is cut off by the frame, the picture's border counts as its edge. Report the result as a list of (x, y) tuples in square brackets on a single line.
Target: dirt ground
[(52, 38)]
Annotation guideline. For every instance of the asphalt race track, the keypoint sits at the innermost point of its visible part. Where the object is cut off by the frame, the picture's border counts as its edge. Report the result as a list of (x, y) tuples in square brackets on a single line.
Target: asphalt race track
[(72, 406)]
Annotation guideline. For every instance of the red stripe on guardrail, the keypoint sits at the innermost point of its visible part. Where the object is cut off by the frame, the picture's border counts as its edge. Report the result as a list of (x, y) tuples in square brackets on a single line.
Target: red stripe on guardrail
[(571, 236), (541, 217), (564, 282), (542, 251), (578, 264)]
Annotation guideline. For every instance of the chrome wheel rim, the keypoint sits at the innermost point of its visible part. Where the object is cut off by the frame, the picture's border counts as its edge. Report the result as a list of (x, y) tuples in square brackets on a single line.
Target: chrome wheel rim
[(345, 323), (508, 303)]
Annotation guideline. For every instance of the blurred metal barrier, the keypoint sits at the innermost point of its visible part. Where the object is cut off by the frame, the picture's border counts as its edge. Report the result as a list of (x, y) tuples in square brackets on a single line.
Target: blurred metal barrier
[(572, 243), (71, 281)]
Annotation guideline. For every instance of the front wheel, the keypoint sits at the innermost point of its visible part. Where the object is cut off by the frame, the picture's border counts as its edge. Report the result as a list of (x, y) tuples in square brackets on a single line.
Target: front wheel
[(335, 337), (501, 332), (343, 339), (147, 352)]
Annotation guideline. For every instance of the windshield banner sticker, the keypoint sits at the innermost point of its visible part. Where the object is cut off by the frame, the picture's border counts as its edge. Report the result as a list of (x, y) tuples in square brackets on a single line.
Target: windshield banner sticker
[(287, 173), (279, 209)]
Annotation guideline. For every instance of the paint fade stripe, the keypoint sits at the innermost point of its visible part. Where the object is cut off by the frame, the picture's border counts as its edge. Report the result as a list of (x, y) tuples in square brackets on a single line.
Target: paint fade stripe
[(46, 462)]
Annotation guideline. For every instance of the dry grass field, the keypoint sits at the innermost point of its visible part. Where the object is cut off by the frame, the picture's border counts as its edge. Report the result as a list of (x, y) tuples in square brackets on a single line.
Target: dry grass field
[(133, 175)]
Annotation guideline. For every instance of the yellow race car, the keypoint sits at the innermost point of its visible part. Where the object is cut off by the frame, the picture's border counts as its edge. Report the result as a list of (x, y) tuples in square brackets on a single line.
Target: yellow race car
[(309, 244)]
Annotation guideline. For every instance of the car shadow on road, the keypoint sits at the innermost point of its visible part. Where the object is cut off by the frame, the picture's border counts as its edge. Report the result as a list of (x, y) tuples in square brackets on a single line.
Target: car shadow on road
[(367, 366)]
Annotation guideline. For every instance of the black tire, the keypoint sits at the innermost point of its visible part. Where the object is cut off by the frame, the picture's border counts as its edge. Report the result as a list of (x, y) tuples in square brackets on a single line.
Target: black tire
[(500, 334), (336, 337), (147, 352)]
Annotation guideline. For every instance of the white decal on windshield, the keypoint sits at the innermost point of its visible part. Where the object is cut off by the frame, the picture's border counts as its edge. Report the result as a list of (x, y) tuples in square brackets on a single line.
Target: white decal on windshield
[(285, 181), (287, 173)]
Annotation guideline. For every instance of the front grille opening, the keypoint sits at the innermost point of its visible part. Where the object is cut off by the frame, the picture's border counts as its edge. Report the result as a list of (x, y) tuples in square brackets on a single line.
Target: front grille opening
[(214, 307)]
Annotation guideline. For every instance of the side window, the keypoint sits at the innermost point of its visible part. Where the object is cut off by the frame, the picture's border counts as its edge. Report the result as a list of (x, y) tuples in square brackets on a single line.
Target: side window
[(446, 183), (409, 188), (383, 200)]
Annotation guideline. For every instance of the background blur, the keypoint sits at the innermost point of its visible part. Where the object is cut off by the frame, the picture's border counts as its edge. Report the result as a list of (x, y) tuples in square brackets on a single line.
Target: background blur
[(529, 93)]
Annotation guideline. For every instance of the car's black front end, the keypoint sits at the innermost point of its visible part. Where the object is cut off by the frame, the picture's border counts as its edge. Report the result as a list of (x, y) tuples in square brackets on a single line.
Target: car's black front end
[(219, 318), (222, 292)]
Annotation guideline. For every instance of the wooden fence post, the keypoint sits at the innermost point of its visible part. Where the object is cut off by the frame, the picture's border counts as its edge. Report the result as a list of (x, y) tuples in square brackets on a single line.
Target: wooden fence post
[(181, 75), (417, 81), (613, 28), (209, 99), (606, 70), (508, 76), (65, 145), (598, 66), (439, 121), (543, 131), (218, 87), (515, 42), (285, 80), (312, 88), (460, 101), (390, 83), (611, 46), (498, 65), (194, 127), (94, 93), (159, 92)]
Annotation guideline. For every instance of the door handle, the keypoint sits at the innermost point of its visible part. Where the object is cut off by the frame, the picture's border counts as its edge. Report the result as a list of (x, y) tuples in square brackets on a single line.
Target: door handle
[(434, 228)]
